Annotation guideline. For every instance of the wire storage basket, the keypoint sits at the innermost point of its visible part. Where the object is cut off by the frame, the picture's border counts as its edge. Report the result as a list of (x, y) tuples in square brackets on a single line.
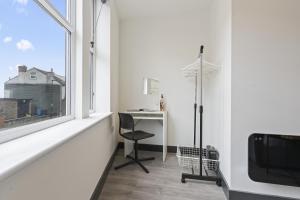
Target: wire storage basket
[(189, 158)]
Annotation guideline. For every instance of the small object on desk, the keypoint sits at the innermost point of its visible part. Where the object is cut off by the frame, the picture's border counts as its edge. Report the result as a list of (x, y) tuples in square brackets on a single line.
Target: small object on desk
[(162, 103), (141, 110), (135, 110)]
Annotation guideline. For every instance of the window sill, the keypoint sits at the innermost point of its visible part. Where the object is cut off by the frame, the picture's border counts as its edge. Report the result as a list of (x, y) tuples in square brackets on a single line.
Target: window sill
[(17, 154)]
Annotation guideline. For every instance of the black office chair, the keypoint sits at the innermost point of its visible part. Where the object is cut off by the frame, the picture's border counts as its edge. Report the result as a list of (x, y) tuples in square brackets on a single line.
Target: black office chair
[(127, 123)]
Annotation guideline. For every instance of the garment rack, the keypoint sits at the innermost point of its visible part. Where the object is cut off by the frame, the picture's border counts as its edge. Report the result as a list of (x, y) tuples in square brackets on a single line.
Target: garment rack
[(197, 70)]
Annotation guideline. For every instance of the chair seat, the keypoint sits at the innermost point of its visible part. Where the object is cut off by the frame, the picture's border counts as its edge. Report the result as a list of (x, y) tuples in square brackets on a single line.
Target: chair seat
[(137, 135)]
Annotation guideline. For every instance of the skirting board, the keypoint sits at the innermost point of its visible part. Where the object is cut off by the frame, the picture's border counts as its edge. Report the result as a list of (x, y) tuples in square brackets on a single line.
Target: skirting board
[(238, 195), (97, 192), (151, 147)]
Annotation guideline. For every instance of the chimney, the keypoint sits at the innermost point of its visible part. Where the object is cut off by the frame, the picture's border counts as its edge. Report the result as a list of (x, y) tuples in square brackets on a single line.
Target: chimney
[(22, 69), (51, 69)]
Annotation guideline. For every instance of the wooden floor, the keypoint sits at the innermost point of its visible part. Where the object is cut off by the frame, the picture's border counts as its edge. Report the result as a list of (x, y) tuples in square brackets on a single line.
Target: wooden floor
[(162, 183)]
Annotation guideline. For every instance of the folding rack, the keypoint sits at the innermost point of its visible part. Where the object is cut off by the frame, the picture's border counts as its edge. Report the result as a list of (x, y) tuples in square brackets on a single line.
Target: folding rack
[(194, 70)]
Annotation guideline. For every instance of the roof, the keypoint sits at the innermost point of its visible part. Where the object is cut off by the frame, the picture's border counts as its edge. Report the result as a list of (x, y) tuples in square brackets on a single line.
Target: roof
[(58, 78)]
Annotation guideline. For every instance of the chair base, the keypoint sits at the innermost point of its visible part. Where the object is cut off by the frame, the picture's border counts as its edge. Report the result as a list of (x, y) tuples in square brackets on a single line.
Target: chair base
[(135, 161)]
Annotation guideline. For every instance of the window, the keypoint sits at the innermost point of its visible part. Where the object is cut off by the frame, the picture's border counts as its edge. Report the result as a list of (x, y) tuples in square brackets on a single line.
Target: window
[(61, 6), (92, 80), (92, 66), (33, 76), (35, 62)]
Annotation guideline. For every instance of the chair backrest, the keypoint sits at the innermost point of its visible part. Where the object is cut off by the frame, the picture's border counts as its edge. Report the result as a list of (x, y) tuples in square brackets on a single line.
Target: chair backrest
[(126, 122)]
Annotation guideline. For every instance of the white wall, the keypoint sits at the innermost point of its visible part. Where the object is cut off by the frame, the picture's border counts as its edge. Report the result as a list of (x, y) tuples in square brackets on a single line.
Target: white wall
[(265, 81), (158, 47), (69, 172), (218, 85)]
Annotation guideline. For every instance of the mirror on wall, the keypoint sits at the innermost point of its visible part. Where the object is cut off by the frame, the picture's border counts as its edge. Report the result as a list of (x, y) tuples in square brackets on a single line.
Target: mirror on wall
[(151, 86)]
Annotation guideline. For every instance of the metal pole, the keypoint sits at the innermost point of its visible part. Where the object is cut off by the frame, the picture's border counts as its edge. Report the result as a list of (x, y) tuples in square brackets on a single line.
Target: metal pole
[(201, 108), (201, 74), (195, 109)]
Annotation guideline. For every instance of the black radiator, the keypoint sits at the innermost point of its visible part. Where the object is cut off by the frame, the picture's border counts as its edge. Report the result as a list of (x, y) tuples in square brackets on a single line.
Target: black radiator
[(274, 159)]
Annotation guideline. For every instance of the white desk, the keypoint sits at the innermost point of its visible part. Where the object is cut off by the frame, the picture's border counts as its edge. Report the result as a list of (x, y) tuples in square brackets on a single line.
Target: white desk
[(142, 115)]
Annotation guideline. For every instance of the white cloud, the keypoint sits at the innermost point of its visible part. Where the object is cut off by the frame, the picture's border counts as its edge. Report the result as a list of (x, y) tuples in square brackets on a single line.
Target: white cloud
[(22, 11), (24, 45), (21, 6), (7, 39), (22, 2), (12, 69)]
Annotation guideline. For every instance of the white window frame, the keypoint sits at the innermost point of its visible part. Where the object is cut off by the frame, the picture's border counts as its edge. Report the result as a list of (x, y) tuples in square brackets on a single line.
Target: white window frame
[(93, 60), (68, 24), (92, 81), (33, 76)]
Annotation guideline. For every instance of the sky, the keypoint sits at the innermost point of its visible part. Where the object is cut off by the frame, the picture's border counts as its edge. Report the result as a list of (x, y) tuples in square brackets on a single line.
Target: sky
[(29, 36)]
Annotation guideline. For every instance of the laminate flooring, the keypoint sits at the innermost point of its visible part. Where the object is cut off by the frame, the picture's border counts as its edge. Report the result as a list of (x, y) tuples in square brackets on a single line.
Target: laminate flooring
[(162, 183)]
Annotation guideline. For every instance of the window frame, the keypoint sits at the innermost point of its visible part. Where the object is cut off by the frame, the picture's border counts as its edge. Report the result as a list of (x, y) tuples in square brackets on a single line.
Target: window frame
[(92, 71), (68, 23), (92, 64), (33, 76)]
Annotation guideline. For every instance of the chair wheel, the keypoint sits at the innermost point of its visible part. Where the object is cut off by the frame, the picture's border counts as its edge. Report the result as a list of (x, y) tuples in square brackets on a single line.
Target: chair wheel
[(219, 182), (183, 180)]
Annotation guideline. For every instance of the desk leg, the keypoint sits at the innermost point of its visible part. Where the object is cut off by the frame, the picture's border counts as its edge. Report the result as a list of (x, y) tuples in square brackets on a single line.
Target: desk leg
[(128, 147), (165, 136)]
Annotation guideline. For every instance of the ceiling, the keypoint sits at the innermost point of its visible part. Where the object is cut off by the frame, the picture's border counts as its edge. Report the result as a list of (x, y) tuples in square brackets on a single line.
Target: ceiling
[(128, 9)]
